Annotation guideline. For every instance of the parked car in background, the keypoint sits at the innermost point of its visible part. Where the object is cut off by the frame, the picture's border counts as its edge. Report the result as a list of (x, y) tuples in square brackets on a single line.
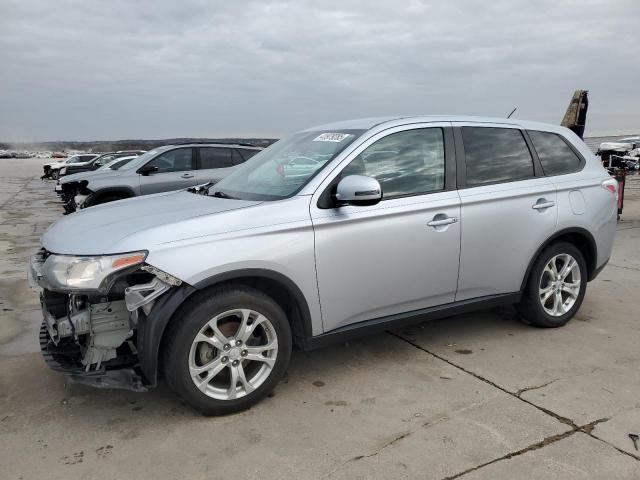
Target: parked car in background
[(172, 167), (52, 169), (68, 194), (402, 220), (98, 162)]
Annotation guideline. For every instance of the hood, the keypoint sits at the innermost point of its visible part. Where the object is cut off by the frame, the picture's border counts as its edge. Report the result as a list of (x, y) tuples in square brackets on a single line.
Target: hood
[(93, 174), (617, 146), (55, 164), (137, 223)]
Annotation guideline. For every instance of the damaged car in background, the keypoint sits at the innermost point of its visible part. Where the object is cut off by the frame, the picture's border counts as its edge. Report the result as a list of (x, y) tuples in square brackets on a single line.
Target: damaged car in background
[(52, 169), (172, 167), (97, 162), (67, 186)]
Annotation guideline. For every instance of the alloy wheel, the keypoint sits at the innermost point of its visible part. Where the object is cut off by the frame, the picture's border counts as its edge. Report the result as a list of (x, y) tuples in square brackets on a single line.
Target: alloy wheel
[(233, 354), (559, 285)]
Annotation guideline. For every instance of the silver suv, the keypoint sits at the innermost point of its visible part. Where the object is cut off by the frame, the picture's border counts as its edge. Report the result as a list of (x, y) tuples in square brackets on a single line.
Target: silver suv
[(172, 167), (333, 232)]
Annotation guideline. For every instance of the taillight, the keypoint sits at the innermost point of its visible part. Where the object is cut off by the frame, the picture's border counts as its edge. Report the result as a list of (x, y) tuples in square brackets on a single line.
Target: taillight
[(611, 184)]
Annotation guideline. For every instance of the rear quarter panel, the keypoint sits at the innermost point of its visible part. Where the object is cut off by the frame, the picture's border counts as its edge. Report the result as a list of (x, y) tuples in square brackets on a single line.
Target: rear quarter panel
[(583, 203), (600, 207)]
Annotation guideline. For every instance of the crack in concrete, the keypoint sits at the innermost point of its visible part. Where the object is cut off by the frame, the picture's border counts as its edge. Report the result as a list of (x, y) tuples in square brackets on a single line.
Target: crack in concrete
[(536, 387), (535, 446), (586, 429), (360, 457), (560, 418), (388, 444)]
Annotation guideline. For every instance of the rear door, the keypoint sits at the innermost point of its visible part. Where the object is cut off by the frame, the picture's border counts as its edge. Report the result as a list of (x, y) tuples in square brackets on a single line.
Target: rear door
[(508, 209), (176, 170), (214, 163)]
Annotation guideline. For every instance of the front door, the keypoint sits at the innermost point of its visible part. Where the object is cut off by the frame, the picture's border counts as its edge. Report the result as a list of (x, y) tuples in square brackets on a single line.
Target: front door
[(176, 170), (401, 254)]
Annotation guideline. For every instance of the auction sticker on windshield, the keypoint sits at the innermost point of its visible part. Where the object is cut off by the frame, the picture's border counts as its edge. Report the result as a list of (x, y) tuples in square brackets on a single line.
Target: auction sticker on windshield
[(331, 137)]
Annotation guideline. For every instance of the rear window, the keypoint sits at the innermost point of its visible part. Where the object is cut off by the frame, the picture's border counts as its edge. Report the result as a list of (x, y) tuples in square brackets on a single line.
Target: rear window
[(555, 155), (495, 155)]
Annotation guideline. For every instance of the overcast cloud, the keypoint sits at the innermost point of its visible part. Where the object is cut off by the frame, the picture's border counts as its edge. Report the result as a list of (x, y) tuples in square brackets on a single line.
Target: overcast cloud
[(84, 70)]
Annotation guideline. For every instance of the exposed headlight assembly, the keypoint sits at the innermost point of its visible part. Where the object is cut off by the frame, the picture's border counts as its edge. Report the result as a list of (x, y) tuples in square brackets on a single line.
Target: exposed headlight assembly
[(70, 273)]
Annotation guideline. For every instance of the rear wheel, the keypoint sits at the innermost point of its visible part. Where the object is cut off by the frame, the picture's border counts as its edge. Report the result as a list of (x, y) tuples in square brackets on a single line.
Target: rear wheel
[(228, 349), (556, 286)]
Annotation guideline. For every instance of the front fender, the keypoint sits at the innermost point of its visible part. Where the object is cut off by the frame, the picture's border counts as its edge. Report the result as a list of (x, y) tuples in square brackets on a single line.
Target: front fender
[(151, 328)]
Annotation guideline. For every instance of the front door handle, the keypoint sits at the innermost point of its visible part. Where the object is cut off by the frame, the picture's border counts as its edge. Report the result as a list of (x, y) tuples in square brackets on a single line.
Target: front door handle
[(441, 222), (542, 204), (186, 175)]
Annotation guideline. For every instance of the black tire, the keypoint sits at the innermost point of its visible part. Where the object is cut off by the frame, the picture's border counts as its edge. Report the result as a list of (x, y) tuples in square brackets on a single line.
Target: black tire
[(530, 306), (193, 316)]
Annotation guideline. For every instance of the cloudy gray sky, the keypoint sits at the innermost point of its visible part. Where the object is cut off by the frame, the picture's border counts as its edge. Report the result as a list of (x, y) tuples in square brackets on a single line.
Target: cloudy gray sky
[(81, 70)]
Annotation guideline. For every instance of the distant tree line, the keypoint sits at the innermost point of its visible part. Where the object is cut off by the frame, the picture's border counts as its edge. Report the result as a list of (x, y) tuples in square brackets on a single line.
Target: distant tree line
[(111, 146)]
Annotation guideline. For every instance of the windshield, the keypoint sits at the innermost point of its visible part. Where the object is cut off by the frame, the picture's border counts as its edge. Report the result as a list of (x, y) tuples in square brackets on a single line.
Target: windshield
[(76, 159), (141, 160), (104, 159), (285, 167), (116, 164)]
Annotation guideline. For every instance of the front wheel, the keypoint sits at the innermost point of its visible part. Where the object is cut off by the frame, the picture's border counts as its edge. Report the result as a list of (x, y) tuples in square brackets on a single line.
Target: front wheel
[(228, 349), (555, 288)]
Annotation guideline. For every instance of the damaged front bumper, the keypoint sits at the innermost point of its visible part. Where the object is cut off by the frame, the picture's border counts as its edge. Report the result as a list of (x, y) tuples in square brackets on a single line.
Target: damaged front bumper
[(94, 338), (74, 195)]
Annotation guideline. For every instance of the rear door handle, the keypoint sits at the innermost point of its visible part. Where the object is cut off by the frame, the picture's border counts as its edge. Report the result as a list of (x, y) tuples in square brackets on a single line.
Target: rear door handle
[(442, 221), (186, 175), (541, 205)]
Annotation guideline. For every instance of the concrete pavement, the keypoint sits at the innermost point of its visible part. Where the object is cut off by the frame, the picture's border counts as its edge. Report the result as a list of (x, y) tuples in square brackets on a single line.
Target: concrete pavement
[(477, 396)]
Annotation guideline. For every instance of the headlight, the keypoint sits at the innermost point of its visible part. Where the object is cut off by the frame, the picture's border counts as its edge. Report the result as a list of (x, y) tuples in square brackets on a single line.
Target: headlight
[(81, 274), (63, 170)]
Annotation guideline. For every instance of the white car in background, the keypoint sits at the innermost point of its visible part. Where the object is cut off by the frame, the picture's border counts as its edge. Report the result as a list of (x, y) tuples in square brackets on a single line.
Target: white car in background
[(52, 169)]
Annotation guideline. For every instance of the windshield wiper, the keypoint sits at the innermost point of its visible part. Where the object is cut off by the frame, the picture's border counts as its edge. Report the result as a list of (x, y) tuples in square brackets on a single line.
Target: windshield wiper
[(221, 194), (201, 189)]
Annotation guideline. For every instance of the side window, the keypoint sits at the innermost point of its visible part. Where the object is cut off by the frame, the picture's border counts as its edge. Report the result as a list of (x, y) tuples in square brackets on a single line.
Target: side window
[(405, 163), (177, 160), (555, 155), (215, 158), (495, 155)]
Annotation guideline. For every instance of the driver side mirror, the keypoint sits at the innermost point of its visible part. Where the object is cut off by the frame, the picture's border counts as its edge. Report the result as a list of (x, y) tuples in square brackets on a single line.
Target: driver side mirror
[(147, 169), (358, 190)]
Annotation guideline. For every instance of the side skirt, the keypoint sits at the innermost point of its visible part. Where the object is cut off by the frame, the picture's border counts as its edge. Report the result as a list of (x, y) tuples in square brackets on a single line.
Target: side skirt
[(368, 327)]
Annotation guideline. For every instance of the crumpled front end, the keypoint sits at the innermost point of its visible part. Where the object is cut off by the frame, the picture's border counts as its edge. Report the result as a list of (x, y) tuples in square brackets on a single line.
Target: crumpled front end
[(93, 335), (74, 195)]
